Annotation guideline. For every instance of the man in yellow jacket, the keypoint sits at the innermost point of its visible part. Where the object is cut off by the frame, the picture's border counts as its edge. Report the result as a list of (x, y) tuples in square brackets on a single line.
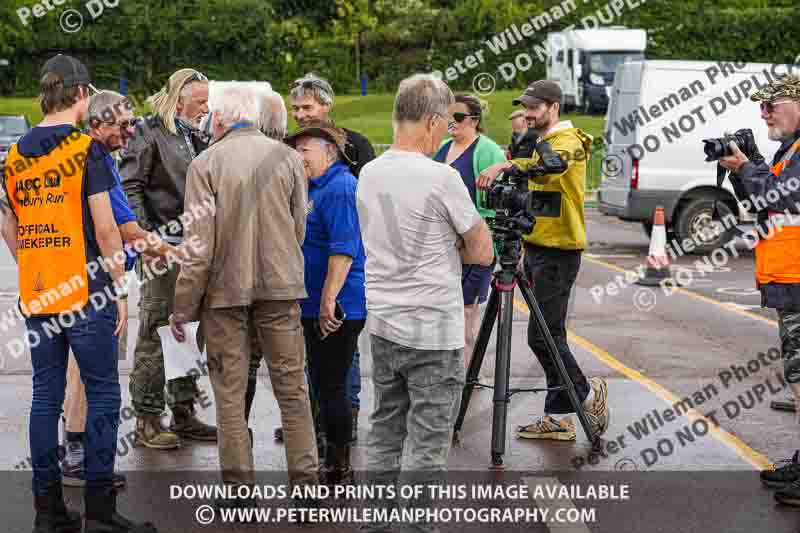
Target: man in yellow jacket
[(552, 257)]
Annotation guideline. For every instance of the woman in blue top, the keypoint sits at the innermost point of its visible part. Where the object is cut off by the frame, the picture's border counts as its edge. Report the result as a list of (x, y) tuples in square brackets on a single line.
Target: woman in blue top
[(470, 152), (334, 277)]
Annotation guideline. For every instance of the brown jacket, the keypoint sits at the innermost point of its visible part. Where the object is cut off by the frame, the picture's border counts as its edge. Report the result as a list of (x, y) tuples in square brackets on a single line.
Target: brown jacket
[(251, 245)]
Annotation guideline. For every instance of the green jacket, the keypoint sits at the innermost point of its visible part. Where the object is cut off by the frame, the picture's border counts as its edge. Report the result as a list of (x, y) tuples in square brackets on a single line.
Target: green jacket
[(486, 154), (567, 232)]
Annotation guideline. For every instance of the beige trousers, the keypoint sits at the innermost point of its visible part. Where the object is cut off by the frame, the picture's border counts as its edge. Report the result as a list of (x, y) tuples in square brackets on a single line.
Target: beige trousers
[(227, 334)]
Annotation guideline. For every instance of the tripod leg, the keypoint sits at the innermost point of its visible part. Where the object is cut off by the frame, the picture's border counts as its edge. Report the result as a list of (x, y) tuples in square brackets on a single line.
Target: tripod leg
[(502, 374), (536, 313), (487, 325)]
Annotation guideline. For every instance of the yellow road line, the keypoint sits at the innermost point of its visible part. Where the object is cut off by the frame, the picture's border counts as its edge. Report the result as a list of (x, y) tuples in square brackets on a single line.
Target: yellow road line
[(756, 459), (695, 295)]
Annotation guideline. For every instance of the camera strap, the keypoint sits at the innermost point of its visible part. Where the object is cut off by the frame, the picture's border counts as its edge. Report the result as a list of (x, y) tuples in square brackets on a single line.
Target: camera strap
[(722, 174)]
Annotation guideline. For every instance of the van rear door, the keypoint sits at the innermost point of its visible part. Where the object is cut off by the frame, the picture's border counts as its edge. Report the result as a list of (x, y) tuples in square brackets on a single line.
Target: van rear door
[(621, 132)]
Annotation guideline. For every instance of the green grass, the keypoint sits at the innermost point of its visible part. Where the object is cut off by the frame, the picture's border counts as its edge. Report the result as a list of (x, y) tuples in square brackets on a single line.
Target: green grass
[(372, 116), (21, 106)]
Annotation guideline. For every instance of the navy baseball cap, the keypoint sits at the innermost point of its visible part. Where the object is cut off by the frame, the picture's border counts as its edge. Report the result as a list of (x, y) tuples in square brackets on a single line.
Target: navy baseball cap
[(72, 71)]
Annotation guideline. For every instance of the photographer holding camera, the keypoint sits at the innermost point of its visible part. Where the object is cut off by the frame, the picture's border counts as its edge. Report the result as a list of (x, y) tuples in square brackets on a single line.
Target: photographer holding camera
[(778, 255), (552, 257)]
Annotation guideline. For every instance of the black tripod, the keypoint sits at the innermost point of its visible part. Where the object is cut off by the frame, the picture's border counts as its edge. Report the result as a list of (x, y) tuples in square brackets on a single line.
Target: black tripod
[(508, 235)]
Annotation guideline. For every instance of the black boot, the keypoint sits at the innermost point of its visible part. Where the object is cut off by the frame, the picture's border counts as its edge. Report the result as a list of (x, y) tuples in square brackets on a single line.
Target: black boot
[(52, 516), (336, 469), (345, 471), (102, 516)]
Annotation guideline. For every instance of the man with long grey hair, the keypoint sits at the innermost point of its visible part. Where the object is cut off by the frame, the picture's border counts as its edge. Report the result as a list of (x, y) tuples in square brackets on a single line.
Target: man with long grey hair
[(153, 170), (250, 283), (419, 226)]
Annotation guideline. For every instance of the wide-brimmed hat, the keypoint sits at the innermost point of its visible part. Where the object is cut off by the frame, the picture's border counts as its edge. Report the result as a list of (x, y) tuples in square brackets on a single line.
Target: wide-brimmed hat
[(320, 130)]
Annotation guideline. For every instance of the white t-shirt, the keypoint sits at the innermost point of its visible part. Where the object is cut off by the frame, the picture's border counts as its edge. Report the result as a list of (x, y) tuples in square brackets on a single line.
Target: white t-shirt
[(412, 210)]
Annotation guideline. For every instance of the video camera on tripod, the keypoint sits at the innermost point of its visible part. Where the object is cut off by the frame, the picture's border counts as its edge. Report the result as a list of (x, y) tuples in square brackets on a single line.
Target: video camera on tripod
[(516, 208)]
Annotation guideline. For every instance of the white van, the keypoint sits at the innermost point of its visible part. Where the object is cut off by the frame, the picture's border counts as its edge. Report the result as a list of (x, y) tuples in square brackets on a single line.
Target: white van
[(660, 111), (583, 63)]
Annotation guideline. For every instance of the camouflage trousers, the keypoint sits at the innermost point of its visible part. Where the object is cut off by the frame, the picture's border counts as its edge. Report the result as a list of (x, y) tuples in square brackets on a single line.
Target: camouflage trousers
[(147, 380), (789, 332)]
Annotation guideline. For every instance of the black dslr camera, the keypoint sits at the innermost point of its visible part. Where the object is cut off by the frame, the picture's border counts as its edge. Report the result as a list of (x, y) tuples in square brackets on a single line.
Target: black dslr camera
[(716, 149), (516, 207)]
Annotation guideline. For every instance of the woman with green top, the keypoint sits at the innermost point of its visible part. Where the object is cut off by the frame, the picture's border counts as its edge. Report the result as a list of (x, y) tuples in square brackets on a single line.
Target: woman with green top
[(470, 152)]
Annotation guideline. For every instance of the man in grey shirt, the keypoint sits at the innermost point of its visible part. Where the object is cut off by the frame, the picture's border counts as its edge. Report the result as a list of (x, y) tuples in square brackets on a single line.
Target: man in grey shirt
[(418, 226)]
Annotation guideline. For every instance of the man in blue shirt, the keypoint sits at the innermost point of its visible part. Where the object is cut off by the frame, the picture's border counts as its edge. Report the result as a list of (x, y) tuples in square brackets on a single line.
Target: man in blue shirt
[(111, 122)]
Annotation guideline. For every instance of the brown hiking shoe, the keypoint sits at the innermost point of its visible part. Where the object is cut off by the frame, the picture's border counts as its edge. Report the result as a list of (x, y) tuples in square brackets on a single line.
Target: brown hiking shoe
[(186, 425), (150, 434)]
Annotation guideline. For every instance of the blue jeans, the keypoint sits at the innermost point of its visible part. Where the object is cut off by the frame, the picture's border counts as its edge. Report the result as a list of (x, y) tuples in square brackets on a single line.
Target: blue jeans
[(94, 345), (353, 382)]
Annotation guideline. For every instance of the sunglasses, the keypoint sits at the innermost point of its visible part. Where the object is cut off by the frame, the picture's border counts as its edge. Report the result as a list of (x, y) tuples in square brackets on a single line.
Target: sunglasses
[(769, 107), (197, 76), (312, 84), (460, 117)]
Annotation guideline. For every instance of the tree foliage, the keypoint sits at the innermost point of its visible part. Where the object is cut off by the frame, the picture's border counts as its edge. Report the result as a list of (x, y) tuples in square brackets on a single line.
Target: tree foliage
[(279, 40)]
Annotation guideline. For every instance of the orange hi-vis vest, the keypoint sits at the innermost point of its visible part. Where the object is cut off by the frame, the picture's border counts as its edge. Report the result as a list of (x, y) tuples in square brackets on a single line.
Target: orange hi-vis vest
[(46, 194), (778, 255)]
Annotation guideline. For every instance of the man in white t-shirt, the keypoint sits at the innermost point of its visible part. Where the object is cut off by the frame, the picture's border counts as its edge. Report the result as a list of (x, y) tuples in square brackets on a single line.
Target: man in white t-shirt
[(419, 226)]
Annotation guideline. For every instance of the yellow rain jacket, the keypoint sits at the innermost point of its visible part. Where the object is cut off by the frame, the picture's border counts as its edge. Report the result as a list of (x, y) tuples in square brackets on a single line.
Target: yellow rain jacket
[(567, 232)]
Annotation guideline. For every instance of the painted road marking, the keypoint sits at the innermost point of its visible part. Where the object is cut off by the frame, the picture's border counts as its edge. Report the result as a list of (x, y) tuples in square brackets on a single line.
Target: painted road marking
[(744, 306), (756, 459), (697, 296), (612, 256), (554, 504), (738, 291)]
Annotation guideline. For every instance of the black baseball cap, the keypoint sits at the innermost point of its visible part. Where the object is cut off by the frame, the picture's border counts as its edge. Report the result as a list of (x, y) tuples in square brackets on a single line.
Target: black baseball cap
[(72, 71), (539, 91)]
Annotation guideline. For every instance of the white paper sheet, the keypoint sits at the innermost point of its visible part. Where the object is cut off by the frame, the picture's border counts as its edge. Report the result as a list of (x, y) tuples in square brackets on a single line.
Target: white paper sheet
[(182, 358)]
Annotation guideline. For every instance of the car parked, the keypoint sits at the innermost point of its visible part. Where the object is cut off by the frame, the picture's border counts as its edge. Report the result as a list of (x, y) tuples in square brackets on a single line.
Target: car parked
[(12, 127)]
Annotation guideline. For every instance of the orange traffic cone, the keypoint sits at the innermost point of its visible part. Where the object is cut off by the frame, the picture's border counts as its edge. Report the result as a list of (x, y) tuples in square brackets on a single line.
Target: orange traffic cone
[(657, 262)]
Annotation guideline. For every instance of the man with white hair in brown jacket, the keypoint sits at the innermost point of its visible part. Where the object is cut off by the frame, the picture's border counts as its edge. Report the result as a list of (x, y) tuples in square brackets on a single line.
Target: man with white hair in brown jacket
[(249, 275)]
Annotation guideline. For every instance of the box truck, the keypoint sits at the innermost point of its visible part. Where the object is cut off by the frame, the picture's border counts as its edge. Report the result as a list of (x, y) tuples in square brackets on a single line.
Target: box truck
[(584, 62)]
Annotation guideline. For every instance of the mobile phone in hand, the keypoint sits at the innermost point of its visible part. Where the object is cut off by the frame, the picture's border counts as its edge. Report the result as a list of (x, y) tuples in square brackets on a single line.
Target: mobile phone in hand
[(338, 313)]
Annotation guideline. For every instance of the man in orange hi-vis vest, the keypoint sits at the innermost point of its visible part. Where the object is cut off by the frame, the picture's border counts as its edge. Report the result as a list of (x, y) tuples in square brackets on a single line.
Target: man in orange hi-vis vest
[(774, 193), (59, 226)]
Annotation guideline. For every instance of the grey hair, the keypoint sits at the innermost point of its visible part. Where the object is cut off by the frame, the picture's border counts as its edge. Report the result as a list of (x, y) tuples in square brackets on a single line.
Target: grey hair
[(234, 102), (326, 145), (274, 117), (420, 96), (320, 90), (105, 106)]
